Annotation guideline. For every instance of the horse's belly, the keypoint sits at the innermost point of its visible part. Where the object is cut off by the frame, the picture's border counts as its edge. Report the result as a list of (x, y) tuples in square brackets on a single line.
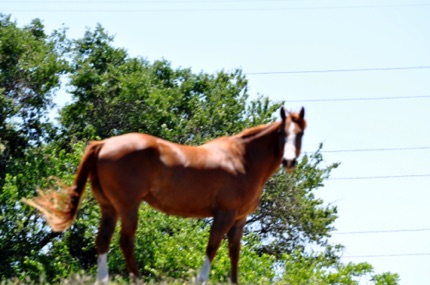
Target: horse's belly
[(180, 203)]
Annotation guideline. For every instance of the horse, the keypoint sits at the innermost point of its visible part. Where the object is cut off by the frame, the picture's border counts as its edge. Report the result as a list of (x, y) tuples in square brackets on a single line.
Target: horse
[(222, 179)]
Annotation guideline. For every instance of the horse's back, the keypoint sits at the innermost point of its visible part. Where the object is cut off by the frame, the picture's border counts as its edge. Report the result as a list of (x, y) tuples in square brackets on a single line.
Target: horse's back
[(120, 146), (119, 167)]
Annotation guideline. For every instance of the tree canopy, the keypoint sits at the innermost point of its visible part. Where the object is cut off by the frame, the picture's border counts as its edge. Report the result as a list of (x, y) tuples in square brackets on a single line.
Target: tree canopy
[(30, 69), (113, 93)]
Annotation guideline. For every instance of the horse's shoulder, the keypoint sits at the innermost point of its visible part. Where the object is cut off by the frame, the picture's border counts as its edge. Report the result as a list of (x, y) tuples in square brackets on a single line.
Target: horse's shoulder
[(227, 153), (228, 145)]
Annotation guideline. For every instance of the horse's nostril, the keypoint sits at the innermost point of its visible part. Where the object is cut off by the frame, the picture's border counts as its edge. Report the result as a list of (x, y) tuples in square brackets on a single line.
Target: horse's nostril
[(284, 162), (289, 163)]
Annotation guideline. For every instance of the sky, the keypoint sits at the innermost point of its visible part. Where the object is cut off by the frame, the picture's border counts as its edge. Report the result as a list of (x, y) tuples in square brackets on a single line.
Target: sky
[(360, 68)]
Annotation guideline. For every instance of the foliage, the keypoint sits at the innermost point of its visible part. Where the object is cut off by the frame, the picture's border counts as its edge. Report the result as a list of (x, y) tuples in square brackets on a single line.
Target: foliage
[(84, 279), (290, 215), (30, 69), (115, 94), (386, 278), (320, 269), (23, 235)]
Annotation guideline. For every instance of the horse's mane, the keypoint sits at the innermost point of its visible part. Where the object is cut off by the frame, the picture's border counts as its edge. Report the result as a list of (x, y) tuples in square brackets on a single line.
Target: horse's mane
[(258, 130), (254, 131)]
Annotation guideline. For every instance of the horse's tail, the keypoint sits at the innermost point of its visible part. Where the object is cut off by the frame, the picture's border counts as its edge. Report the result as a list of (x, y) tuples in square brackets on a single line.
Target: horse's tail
[(60, 208)]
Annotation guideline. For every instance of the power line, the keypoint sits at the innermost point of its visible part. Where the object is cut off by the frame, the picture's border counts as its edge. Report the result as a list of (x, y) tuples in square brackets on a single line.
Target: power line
[(225, 1), (143, 2), (201, 9), (380, 177), (387, 255), (359, 99), (183, 1), (372, 149), (338, 70), (381, 231)]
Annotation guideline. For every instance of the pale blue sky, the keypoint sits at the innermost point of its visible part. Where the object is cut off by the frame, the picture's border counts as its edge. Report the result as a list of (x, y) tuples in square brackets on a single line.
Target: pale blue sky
[(296, 35)]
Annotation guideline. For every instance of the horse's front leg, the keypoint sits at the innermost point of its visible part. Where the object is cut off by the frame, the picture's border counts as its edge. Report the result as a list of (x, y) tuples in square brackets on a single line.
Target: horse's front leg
[(223, 221), (234, 236)]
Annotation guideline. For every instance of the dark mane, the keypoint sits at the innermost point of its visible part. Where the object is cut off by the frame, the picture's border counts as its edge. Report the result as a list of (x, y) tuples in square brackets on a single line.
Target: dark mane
[(255, 131)]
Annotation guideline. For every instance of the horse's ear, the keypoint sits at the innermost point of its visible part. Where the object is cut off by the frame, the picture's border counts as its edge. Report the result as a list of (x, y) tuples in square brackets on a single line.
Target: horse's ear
[(283, 115), (302, 113)]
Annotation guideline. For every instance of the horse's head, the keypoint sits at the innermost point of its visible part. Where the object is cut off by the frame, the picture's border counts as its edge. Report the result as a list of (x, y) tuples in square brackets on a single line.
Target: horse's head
[(292, 130)]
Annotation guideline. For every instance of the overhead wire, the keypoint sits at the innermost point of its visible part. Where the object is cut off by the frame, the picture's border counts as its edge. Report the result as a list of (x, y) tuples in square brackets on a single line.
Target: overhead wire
[(380, 177), (387, 255), (139, 1), (339, 70), (196, 9), (358, 99), (158, 1), (347, 70), (375, 149), (381, 231)]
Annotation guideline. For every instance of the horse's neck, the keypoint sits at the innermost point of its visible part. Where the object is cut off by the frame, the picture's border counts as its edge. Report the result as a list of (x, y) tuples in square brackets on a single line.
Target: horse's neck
[(266, 149)]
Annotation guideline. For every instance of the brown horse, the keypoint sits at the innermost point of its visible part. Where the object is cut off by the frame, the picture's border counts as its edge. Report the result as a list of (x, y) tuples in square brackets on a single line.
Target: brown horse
[(222, 179)]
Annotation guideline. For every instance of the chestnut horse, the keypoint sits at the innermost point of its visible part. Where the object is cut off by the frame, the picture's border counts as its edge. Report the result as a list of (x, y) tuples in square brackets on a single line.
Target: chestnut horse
[(223, 179)]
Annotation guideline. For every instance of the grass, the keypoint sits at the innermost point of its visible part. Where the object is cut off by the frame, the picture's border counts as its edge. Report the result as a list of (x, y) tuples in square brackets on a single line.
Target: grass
[(83, 279)]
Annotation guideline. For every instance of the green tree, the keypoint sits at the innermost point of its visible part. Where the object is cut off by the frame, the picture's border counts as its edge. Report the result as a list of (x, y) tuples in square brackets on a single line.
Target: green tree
[(290, 215), (116, 94), (30, 69), (24, 237), (317, 269), (386, 278)]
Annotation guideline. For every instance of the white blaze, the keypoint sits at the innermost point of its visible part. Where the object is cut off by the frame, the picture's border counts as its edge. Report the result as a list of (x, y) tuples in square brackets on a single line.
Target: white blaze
[(204, 272), (290, 144), (102, 270)]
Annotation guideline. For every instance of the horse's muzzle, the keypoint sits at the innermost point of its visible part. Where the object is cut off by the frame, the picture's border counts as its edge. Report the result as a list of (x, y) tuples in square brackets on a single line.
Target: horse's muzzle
[(289, 165)]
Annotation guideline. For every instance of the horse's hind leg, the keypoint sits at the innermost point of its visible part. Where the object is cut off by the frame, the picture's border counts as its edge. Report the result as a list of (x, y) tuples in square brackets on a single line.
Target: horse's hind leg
[(126, 241), (234, 236), (109, 218), (107, 227)]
